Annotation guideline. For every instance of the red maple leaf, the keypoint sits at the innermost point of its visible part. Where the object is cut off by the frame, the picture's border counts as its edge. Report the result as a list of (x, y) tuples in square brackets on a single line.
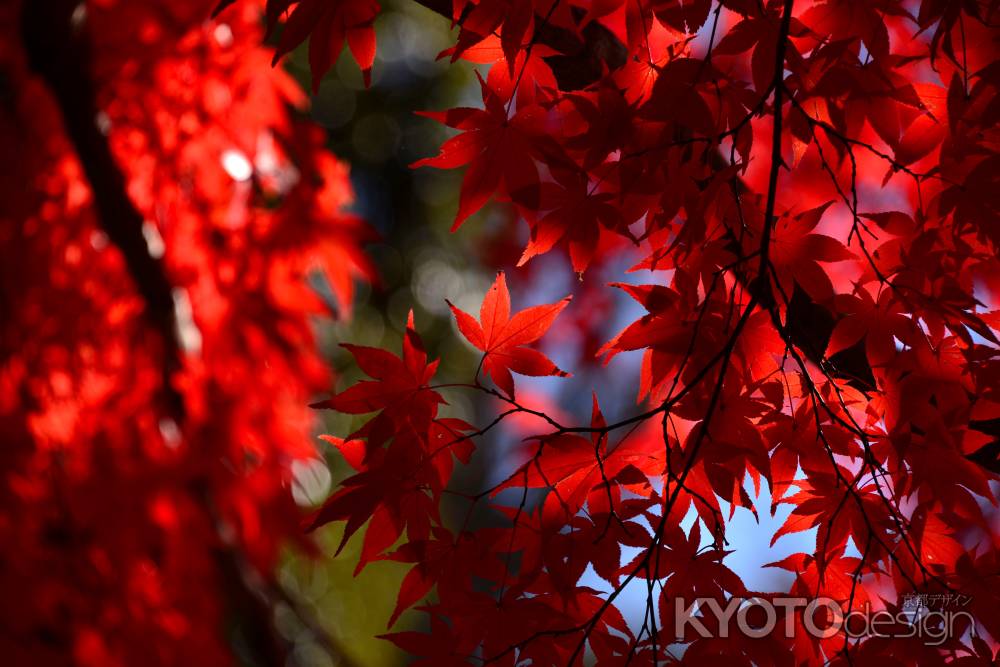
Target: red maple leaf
[(327, 24), (398, 390), (499, 151), (436, 649), (878, 320), (504, 338), (796, 252)]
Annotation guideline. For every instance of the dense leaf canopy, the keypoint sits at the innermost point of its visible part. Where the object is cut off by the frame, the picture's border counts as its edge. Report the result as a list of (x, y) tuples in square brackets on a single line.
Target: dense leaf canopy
[(797, 201)]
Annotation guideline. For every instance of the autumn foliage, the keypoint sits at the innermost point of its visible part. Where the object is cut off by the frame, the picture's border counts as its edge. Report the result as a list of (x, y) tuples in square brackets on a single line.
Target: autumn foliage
[(806, 191), (152, 403)]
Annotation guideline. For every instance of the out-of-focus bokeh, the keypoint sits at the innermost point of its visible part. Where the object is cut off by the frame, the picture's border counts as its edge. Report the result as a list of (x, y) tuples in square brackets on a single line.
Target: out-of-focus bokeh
[(419, 263)]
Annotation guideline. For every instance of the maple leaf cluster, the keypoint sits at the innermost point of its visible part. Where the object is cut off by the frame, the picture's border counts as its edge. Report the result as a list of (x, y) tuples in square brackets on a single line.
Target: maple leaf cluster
[(161, 207), (810, 188)]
